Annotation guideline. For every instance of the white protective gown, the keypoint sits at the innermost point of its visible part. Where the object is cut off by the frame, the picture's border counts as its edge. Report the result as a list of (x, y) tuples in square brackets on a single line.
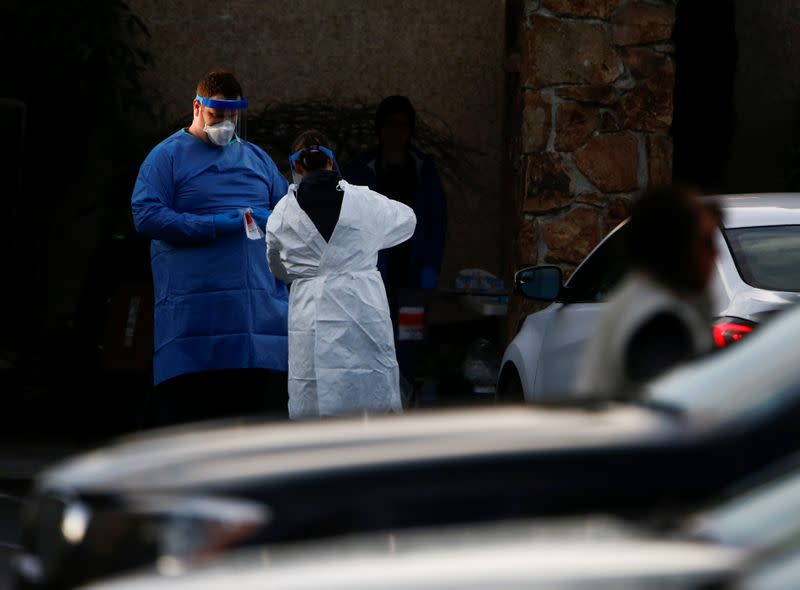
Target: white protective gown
[(341, 345)]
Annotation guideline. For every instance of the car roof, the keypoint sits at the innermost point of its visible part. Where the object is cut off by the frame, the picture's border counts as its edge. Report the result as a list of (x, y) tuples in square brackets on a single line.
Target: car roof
[(496, 556), (758, 210), (277, 450)]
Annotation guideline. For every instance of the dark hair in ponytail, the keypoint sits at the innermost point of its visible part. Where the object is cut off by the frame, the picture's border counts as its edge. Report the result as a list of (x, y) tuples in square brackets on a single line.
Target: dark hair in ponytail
[(312, 159)]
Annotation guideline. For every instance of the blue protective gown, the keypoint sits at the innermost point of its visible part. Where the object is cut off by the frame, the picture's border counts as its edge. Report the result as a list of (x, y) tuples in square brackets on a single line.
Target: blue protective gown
[(217, 304)]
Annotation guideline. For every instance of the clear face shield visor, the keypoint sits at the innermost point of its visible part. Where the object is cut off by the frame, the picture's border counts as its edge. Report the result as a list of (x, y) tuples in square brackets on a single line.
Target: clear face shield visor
[(295, 157), (225, 120)]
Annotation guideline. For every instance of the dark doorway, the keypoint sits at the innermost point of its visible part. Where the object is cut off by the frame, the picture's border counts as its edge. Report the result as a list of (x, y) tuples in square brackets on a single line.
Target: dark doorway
[(706, 56)]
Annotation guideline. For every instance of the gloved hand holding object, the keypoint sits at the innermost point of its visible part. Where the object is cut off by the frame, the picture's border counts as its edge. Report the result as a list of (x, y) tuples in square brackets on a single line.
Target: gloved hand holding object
[(227, 223), (261, 216), (429, 278)]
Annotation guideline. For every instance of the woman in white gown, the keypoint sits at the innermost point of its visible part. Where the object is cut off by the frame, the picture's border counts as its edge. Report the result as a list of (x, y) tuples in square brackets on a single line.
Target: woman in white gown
[(323, 238)]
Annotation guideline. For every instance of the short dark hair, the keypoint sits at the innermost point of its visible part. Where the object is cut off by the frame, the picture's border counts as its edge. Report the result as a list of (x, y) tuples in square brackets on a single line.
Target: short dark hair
[(311, 159), (219, 82), (663, 224), (391, 105)]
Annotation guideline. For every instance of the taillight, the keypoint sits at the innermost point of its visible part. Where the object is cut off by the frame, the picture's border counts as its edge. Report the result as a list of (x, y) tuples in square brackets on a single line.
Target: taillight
[(730, 330)]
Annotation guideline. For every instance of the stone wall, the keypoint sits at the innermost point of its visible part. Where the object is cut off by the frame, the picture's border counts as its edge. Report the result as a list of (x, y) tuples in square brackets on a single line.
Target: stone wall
[(596, 81)]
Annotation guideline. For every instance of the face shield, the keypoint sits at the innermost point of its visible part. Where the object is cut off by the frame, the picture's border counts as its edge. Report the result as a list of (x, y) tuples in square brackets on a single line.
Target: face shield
[(296, 178), (225, 120)]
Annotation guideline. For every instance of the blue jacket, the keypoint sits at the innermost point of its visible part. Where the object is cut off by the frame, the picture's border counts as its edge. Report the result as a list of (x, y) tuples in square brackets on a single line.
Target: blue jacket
[(430, 207), (217, 304)]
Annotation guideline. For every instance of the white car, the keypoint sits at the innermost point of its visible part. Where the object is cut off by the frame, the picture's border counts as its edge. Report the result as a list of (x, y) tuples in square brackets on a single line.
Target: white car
[(757, 274), (493, 557)]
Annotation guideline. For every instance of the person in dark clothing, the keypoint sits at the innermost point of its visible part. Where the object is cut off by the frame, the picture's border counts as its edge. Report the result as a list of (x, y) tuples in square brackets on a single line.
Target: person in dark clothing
[(659, 316), (403, 173)]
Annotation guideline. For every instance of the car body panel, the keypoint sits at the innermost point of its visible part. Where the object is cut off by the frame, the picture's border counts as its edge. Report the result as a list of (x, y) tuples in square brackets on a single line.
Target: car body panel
[(778, 573), (509, 556), (547, 353), (526, 348), (716, 388), (187, 458), (568, 330), (757, 210), (393, 473)]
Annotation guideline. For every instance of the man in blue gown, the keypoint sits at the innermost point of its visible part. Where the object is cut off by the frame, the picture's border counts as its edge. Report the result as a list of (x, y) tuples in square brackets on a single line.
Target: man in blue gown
[(220, 315)]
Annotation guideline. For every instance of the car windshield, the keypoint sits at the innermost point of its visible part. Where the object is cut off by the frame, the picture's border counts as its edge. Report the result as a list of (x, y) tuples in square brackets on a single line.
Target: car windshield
[(717, 388), (767, 257), (764, 518)]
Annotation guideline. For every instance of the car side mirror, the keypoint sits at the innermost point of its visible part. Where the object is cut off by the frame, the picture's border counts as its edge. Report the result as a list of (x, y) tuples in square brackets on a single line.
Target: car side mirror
[(541, 283)]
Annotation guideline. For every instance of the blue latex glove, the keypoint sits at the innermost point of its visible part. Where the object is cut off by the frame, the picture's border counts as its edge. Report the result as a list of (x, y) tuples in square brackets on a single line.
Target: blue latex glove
[(228, 223), (429, 278), (260, 216)]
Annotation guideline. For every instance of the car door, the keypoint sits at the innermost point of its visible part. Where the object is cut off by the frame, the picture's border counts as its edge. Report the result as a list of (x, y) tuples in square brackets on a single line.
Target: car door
[(573, 323)]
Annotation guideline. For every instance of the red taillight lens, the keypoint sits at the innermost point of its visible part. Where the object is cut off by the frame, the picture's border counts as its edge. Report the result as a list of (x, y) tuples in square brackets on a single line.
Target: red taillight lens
[(727, 331)]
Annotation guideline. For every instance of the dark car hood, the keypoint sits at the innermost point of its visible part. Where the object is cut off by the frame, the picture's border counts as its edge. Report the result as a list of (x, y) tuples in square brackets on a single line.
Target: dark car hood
[(188, 458)]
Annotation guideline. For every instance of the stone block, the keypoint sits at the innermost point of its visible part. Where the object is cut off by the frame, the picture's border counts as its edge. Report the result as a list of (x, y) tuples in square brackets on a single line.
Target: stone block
[(609, 122), (582, 8), (625, 82), (619, 209), (528, 242), (593, 199), (537, 122), (604, 95), (575, 125), (659, 159), (648, 107), (568, 52), (643, 62), (571, 237), (638, 23), (532, 6), (550, 183), (610, 162)]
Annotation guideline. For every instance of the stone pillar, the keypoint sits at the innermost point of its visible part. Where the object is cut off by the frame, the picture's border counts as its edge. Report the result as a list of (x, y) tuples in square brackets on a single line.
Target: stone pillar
[(596, 86)]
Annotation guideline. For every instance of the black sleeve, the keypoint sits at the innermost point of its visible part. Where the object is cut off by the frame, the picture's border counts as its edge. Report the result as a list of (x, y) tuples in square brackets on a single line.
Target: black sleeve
[(661, 343)]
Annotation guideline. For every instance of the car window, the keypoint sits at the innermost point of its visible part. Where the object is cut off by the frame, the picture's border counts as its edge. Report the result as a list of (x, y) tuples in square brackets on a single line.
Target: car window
[(602, 270), (767, 257)]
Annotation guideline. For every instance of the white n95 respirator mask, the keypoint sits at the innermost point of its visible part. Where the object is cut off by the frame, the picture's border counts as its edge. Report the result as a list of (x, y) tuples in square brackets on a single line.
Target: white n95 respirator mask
[(222, 133)]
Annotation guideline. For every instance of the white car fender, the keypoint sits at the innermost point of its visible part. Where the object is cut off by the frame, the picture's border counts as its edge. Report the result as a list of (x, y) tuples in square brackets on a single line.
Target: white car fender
[(524, 351)]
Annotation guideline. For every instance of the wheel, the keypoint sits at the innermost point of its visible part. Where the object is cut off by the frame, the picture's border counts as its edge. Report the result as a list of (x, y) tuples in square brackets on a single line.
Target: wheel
[(509, 387)]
